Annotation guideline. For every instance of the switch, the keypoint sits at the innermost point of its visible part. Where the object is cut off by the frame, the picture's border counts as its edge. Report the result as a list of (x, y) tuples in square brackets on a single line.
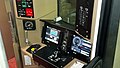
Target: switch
[(29, 12), (24, 4)]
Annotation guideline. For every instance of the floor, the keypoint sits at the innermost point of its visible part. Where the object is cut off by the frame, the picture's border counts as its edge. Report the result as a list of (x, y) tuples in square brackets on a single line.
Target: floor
[(12, 63)]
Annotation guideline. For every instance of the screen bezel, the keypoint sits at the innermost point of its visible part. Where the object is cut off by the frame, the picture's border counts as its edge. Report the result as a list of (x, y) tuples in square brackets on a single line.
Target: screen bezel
[(77, 55), (52, 25)]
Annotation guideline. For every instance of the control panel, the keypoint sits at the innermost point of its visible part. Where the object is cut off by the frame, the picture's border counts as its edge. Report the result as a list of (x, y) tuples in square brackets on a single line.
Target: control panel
[(63, 47), (51, 57), (25, 8), (84, 17)]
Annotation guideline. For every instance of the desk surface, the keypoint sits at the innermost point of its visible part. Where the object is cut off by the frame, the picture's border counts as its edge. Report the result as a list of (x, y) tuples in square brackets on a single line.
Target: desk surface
[(46, 52), (67, 65), (27, 53)]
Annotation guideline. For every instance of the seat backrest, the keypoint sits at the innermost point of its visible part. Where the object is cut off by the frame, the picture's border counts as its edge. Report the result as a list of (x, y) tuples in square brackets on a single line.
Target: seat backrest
[(95, 63)]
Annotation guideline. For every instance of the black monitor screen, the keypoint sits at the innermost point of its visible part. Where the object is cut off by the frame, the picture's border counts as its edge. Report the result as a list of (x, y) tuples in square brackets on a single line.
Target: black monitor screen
[(80, 46), (52, 34)]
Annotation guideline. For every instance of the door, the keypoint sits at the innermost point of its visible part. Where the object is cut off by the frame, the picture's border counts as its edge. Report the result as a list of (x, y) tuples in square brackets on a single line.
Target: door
[(6, 31)]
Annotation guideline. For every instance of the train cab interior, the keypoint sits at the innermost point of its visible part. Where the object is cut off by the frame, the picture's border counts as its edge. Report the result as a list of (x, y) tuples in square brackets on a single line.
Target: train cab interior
[(59, 33)]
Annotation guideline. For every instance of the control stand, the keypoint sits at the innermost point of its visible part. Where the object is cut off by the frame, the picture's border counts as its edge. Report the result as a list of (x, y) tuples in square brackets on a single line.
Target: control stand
[(51, 56)]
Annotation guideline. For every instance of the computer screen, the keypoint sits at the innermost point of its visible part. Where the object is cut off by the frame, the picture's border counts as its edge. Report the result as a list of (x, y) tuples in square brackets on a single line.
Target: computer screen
[(80, 46), (52, 34)]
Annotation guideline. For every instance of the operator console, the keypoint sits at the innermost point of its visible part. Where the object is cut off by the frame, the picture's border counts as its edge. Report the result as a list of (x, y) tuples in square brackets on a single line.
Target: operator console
[(63, 45), (51, 57)]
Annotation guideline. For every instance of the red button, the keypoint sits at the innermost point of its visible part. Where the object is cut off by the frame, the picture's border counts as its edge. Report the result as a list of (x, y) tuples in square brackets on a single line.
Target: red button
[(29, 12)]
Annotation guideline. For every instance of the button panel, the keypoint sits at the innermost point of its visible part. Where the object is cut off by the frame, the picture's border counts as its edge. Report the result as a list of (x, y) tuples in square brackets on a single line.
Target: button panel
[(25, 8), (84, 17)]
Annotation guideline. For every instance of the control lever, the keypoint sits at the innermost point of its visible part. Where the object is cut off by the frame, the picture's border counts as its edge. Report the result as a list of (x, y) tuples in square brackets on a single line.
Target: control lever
[(55, 54), (54, 57)]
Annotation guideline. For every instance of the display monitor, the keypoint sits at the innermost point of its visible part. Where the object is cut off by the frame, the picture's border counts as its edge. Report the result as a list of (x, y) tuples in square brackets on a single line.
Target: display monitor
[(51, 34), (80, 47)]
